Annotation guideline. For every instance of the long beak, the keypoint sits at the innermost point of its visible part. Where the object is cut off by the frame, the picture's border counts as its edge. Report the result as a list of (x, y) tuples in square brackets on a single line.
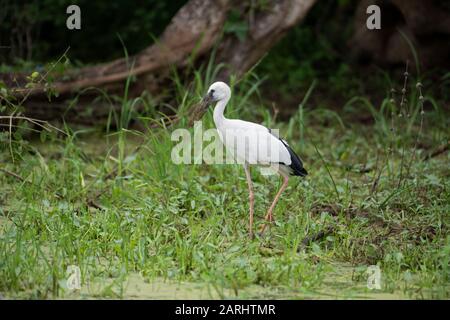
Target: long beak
[(206, 101)]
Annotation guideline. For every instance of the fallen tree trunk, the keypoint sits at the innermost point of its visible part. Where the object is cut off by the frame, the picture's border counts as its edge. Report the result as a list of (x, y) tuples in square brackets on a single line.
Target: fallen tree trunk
[(197, 24), (264, 31), (191, 35)]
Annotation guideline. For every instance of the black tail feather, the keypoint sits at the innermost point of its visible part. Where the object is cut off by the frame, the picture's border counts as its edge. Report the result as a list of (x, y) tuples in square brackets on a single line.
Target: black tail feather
[(296, 163)]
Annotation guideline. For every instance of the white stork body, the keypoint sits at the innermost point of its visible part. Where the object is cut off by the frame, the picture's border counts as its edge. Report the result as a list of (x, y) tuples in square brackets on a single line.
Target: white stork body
[(253, 144)]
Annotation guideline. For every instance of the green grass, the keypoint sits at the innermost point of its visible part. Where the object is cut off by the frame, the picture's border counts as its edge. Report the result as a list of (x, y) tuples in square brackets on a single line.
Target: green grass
[(116, 206)]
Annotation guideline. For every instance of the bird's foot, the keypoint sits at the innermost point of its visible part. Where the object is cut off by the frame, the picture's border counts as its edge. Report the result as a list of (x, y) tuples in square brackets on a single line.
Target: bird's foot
[(269, 217), (251, 235)]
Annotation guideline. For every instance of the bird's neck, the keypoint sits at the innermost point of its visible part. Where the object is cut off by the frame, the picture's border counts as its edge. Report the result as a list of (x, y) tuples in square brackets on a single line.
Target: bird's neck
[(219, 118)]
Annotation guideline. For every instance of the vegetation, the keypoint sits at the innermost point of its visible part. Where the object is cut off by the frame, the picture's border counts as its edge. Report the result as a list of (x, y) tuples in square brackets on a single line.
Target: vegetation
[(115, 205), (108, 199)]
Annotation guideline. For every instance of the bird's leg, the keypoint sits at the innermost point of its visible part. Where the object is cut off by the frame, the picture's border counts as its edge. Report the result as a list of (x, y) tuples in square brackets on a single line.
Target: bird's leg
[(269, 215), (251, 196)]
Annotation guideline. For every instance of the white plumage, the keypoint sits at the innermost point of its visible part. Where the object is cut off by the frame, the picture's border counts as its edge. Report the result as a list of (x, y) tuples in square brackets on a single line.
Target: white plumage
[(252, 144)]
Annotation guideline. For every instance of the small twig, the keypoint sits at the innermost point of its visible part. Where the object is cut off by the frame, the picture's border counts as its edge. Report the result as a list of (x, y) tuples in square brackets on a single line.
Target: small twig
[(15, 175), (378, 176), (403, 101), (422, 113), (12, 174), (276, 111), (41, 123)]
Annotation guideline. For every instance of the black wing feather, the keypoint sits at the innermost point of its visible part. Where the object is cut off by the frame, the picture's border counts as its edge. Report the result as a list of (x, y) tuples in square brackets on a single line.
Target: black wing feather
[(296, 163)]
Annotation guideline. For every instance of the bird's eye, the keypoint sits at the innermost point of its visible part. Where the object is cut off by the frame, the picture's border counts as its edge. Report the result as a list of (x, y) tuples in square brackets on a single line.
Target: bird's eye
[(212, 90)]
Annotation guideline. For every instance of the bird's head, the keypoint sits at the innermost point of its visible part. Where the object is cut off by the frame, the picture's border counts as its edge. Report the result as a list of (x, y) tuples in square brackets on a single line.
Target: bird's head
[(216, 92)]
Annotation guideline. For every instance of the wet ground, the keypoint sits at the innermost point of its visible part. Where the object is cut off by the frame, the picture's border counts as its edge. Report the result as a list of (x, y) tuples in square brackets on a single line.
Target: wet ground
[(337, 285)]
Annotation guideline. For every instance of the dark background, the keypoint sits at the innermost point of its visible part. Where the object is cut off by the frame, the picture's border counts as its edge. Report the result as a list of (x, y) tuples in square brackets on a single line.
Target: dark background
[(320, 47)]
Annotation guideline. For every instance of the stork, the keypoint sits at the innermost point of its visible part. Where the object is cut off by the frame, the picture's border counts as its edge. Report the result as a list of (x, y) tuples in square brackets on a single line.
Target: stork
[(253, 144)]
